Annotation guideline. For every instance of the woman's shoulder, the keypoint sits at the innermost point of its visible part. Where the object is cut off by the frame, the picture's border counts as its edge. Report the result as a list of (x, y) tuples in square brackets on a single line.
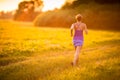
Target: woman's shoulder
[(74, 23), (79, 23), (83, 24)]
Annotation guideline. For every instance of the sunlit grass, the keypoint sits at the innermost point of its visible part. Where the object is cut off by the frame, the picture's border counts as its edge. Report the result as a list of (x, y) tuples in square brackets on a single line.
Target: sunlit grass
[(43, 53)]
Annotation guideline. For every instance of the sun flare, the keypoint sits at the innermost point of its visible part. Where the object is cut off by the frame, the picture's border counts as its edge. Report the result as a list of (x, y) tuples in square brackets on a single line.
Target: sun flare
[(10, 5), (52, 4)]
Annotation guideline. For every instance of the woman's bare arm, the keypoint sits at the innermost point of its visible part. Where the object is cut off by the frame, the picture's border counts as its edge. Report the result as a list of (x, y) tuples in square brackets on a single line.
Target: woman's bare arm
[(71, 32), (85, 29)]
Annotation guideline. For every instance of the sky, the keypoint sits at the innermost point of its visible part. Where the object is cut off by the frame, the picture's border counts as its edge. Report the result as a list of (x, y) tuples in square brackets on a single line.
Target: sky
[(10, 5)]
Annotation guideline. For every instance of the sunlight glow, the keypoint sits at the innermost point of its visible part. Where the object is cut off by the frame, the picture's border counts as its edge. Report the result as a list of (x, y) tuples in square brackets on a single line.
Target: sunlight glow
[(9, 5), (52, 4)]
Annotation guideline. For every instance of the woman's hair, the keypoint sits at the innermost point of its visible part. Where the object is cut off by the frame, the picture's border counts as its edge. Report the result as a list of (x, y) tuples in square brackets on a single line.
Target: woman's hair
[(78, 17)]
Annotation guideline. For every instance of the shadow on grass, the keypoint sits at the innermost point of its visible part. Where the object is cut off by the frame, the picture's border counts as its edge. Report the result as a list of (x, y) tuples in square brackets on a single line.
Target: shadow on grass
[(11, 60), (15, 52), (35, 69), (113, 41)]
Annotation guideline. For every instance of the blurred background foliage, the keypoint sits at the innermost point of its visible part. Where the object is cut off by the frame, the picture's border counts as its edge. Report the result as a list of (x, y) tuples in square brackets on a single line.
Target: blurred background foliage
[(97, 14)]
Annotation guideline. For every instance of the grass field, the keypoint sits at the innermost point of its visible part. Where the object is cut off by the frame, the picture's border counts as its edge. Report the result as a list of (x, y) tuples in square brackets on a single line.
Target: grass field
[(43, 53)]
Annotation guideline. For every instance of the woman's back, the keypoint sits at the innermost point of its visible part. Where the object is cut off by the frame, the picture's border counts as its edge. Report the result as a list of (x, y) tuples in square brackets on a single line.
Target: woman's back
[(79, 26), (78, 35)]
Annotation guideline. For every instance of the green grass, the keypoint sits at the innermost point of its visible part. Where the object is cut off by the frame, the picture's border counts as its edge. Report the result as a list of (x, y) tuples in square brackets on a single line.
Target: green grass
[(43, 53)]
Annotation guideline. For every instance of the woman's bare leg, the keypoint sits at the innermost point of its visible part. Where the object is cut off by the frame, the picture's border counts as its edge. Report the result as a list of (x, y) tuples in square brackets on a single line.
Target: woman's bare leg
[(76, 56)]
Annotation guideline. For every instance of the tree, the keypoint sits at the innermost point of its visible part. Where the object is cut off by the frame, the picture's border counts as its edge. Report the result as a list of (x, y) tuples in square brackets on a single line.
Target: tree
[(26, 10), (107, 1), (78, 2)]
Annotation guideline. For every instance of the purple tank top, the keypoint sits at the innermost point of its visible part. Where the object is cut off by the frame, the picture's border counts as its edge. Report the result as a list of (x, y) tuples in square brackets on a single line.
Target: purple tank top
[(78, 35)]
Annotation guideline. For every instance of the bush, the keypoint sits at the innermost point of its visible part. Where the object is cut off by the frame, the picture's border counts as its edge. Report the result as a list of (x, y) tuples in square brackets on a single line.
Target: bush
[(96, 16), (62, 18)]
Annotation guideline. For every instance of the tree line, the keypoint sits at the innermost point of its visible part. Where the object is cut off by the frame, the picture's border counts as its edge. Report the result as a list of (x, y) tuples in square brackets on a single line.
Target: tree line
[(78, 2), (26, 10)]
